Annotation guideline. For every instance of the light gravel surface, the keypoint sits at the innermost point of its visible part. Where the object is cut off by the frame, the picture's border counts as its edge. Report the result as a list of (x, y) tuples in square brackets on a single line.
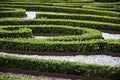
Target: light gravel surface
[(42, 37), (90, 59), (32, 14), (110, 36)]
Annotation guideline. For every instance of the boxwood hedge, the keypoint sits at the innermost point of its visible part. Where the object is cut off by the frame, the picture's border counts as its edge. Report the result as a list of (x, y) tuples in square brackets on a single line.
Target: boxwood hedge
[(63, 67), (8, 77), (79, 17), (12, 12), (78, 23), (64, 9), (72, 33)]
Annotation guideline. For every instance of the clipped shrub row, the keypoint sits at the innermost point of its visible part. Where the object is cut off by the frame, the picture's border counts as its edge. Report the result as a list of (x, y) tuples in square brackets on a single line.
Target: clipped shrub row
[(44, 45), (102, 8), (15, 32), (72, 33), (106, 0), (12, 12), (92, 24), (62, 4), (63, 67), (79, 17), (7, 77), (64, 9), (51, 1)]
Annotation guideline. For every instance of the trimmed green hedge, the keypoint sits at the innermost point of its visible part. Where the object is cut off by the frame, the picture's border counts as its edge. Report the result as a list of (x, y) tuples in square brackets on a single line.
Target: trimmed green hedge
[(72, 33), (50, 1), (64, 9), (106, 0), (79, 17), (44, 45), (15, 32), (63, 67), (12, 12), (106, 8), (85, 24), (7, 77)]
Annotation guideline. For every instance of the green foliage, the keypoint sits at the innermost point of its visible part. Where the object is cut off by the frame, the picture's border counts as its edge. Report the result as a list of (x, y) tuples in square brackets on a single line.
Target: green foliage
[(12, 12), (63, 67), (64, 9), (79, 17), (15, 32), (43, 45), (50, 1), (78, 23), (106, 0), (6, 77)]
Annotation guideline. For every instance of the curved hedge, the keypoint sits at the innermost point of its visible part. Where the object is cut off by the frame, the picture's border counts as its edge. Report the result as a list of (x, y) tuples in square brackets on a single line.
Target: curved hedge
[(44, 45), (12, 12), (79, 17), (72, 33), (78, 23), (15, 33), (64, 9), (53, 66), (50, 1)]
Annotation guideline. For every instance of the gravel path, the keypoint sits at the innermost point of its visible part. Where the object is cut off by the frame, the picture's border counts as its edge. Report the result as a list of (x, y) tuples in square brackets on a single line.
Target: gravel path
[(110, 36), (91, 59), (42, 37), (32, 14)]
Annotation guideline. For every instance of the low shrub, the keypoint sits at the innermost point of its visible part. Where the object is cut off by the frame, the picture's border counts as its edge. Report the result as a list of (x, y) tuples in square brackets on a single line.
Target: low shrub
[(15, 33), (64, 9), (63, 67), (78, 23), (79, 17), (8, 77), (44, 45), (12, 12)]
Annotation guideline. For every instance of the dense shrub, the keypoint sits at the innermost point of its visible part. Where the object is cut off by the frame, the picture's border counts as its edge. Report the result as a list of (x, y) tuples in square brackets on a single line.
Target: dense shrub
[(63, 67), (6, 77), (79, 17), (12, 12), (64, 9), (44, 45), (78, 23), (49, 1), (106, 0), (72, 33), (15, 33)]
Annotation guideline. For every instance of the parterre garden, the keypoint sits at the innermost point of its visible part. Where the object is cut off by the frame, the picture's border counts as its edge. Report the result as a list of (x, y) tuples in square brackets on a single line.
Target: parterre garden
[(78, 29)]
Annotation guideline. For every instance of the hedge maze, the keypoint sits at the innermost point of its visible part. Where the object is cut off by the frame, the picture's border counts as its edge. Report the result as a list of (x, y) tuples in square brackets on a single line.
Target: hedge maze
[(76, 26)]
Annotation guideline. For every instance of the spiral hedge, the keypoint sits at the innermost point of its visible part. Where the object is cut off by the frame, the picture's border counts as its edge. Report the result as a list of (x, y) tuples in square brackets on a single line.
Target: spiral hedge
[(77, 22)]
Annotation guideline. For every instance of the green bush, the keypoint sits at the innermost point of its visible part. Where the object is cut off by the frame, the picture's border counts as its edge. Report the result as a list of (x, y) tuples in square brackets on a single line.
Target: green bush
[(44, 45), (79, 17), (64, 9), (12, 12), (78, 23), (15, 32), (49, 1), (6, 77), (63, 67), (72, 33), (106, 0)]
